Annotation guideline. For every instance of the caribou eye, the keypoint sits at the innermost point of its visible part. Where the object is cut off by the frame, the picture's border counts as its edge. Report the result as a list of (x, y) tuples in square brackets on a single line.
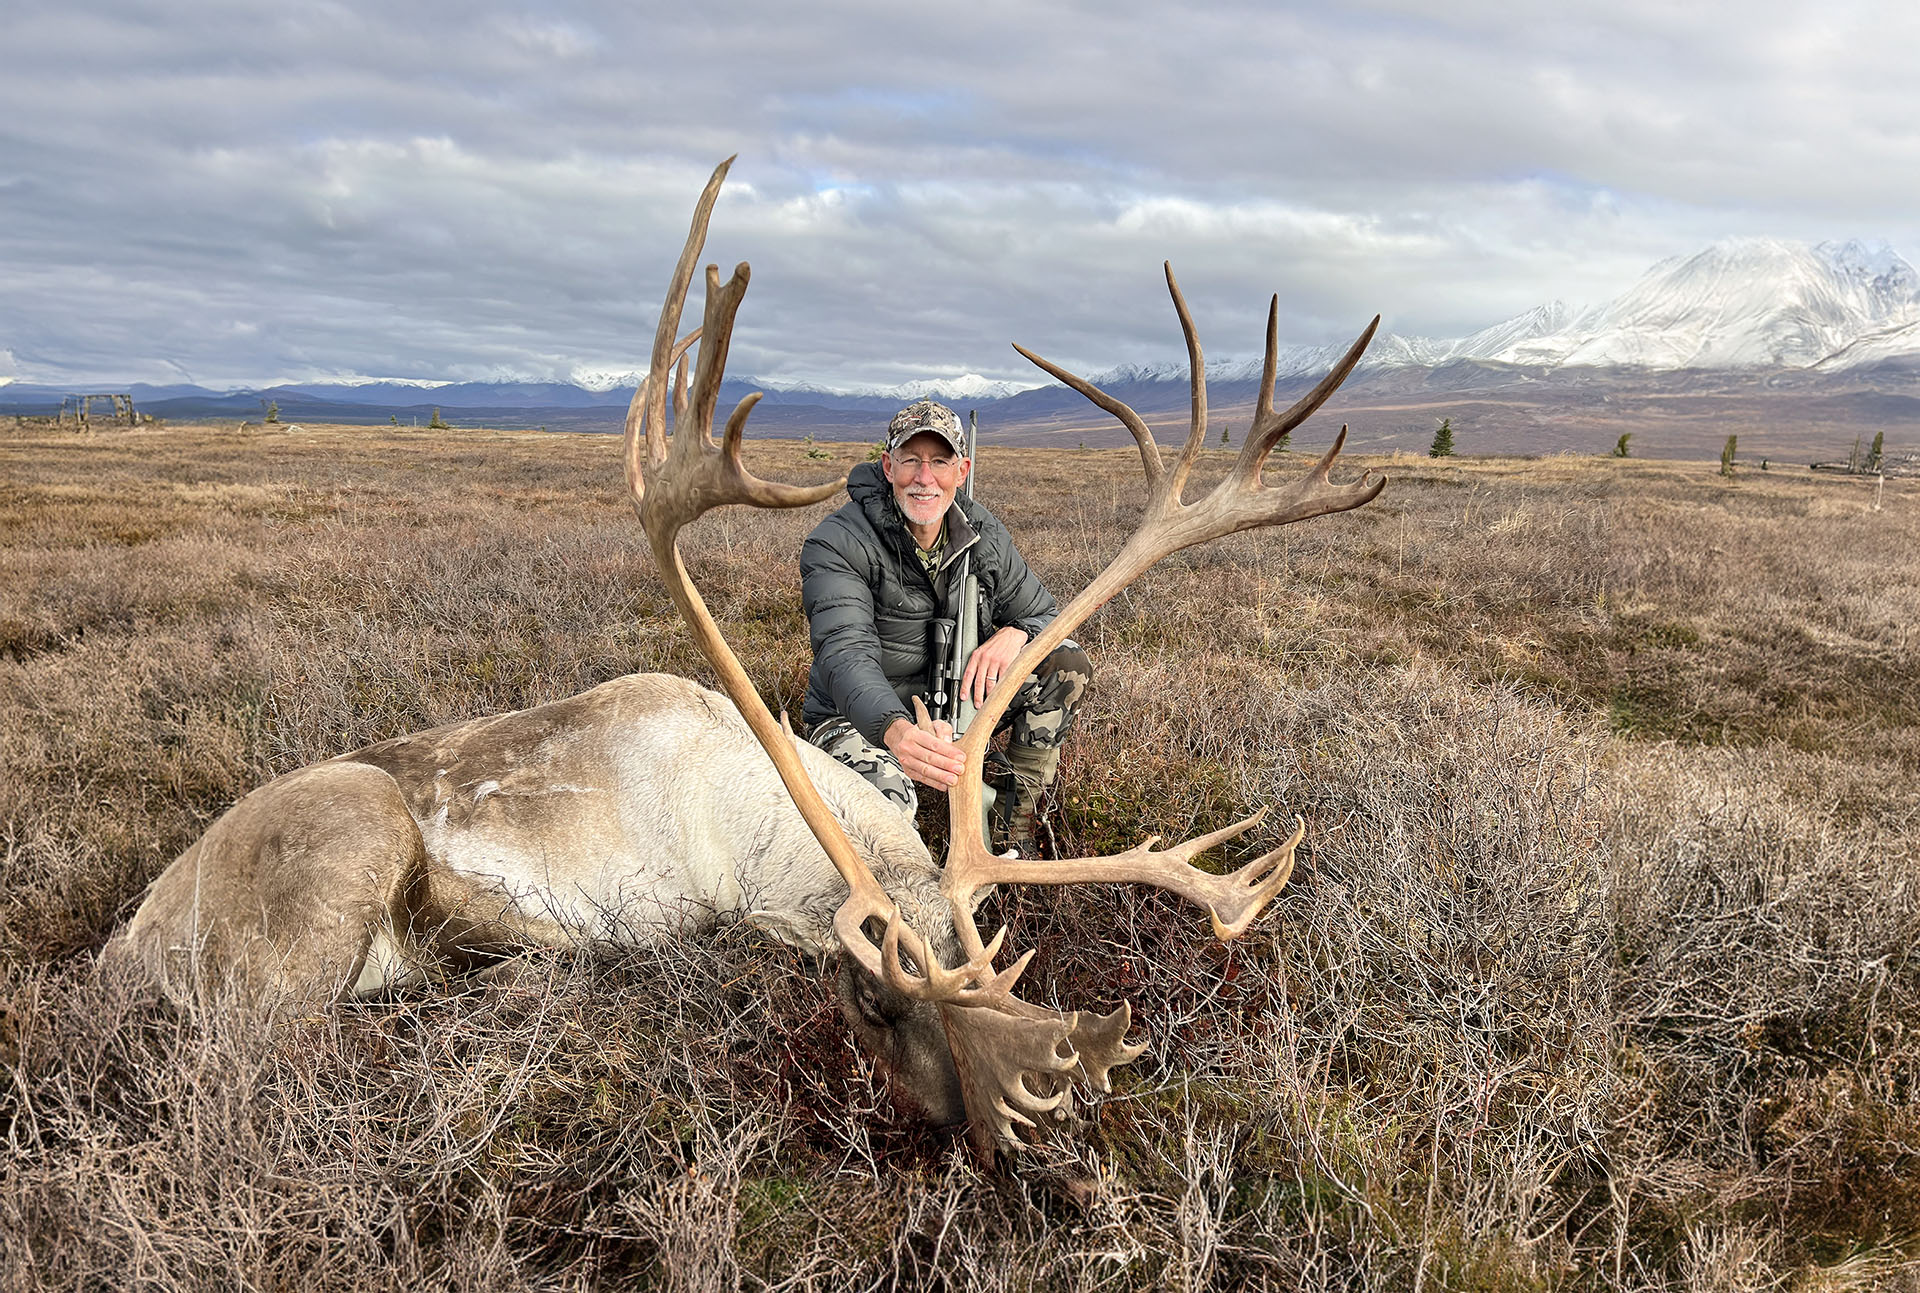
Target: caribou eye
[(869, 1007)]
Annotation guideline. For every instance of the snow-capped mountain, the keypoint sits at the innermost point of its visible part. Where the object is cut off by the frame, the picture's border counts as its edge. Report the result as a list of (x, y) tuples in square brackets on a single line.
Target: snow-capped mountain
[(967, 386), (1389, 350), (1749, 303)]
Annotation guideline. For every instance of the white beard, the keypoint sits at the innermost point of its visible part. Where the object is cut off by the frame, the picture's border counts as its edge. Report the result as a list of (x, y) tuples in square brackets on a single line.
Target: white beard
[(923, 511)]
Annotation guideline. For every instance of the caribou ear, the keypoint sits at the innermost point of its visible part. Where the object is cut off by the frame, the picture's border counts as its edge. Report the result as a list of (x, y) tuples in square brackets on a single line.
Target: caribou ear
[(783, 926)]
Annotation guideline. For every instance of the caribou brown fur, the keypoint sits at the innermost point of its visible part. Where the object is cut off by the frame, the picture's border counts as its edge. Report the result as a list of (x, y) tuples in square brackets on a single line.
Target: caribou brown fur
[(641, 809)]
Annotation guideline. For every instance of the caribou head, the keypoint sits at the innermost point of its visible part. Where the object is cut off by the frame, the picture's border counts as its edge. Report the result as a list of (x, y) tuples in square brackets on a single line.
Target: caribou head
[(905, 971)]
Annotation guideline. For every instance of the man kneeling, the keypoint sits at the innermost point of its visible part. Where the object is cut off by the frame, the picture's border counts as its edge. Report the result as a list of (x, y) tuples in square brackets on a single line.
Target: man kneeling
[(875, 575)]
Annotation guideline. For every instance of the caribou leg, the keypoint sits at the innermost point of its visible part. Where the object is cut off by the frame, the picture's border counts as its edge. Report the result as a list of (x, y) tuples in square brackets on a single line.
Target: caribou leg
[(299, 891)]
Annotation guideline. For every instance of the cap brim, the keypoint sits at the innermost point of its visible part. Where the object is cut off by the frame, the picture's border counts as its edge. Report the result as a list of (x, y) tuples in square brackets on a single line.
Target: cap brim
[(952, 440)]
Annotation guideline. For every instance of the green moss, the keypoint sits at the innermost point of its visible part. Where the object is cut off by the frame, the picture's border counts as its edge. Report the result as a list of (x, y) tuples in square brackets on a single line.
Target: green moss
[(1151, 794), (1670, 637)]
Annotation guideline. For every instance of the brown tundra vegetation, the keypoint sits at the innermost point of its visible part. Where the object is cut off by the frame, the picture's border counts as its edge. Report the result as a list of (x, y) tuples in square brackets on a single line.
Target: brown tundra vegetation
[(1596, 972)]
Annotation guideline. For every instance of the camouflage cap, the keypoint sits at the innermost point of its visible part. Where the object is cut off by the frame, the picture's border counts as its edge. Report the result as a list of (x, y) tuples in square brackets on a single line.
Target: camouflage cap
[(925, 415)]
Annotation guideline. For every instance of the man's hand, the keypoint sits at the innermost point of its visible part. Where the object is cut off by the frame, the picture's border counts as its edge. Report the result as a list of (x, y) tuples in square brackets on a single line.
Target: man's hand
[(930, 758), (989, 662)]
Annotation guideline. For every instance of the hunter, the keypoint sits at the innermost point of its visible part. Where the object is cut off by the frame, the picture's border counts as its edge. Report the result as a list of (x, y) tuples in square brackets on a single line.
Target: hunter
[(873, 578)]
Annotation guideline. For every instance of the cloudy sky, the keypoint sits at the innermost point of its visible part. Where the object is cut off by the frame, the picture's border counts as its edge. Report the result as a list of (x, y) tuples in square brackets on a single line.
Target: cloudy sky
[(227, 192)]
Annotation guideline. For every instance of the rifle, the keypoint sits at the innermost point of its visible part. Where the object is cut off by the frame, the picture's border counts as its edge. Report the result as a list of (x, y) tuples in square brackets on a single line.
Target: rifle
[(966, 586), (957, 635)]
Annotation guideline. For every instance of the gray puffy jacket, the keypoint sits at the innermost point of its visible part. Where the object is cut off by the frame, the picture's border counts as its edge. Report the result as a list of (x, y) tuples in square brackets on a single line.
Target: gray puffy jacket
[(869, 601)]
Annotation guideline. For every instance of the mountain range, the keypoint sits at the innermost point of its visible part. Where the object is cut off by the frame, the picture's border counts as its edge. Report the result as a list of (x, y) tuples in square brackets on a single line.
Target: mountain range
[(1745, 320)]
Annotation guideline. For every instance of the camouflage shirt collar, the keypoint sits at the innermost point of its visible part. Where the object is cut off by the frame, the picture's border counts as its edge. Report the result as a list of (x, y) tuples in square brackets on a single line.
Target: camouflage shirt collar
[(930, 558)]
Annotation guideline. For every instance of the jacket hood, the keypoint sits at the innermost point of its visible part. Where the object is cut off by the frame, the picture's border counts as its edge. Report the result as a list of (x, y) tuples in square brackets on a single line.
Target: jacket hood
[(867, 485)]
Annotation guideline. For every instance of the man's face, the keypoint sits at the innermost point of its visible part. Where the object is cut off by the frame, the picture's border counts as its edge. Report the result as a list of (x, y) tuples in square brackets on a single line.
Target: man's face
[(925, 475)]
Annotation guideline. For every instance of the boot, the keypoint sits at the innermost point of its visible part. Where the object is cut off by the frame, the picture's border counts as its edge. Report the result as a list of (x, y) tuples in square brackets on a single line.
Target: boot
[(996, 776), (1033, 771)]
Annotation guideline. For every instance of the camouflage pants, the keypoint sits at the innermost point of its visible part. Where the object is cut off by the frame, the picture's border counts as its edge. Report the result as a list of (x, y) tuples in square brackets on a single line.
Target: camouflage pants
[(1041, 715)]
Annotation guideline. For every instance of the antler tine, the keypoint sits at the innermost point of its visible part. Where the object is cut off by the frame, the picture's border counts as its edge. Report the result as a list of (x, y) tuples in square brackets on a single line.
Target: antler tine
[(730, 441), (664, 353), (994, 1051), (1270, 367), (1233, 901), (1100, 1042), (639, 433), (680, 418), (1269, 426), (722, 305), (1149, 451), (973, 983), (1197, 388)]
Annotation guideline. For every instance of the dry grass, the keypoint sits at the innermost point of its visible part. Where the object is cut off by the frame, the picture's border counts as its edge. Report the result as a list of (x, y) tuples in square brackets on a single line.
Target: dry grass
[(1597, 971)]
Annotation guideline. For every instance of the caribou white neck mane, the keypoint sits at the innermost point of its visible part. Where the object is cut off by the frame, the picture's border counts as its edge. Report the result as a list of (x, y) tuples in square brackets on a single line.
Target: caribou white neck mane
[(649, 806)]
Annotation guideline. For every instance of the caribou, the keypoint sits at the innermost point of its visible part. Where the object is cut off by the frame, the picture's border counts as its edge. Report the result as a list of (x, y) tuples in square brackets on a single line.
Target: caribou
[(650, 806)]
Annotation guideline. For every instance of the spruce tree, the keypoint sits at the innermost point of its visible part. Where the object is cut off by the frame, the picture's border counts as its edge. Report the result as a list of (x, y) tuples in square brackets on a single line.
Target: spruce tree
[(1726, 455), (1442, 446), (1620, 445)]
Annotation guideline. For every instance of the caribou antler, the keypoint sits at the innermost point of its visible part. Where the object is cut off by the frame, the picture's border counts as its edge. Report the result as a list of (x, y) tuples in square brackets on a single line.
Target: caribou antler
[(1089, 1046), (1002, 1046), (1241, 501)]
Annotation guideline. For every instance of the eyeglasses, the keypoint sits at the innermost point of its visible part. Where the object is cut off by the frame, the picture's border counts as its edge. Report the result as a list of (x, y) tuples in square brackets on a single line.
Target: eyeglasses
[(911, 465)]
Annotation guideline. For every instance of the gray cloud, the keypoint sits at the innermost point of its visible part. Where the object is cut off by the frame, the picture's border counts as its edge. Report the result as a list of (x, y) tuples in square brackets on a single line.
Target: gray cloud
[(239, 193)]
